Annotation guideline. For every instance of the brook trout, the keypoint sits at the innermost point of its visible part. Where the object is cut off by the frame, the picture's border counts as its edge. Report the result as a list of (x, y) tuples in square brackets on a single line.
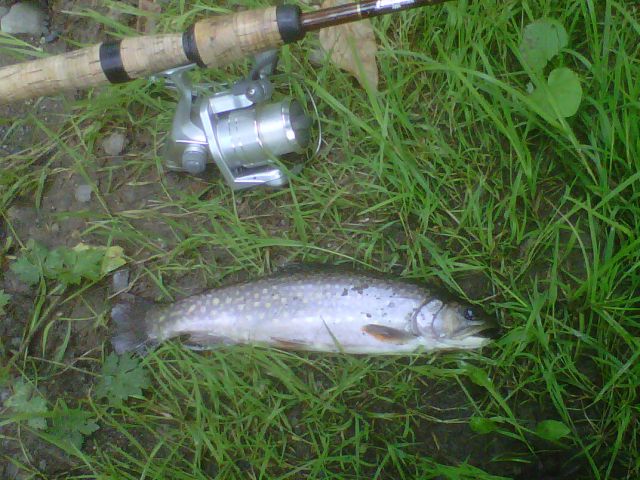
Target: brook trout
[(320, 311)]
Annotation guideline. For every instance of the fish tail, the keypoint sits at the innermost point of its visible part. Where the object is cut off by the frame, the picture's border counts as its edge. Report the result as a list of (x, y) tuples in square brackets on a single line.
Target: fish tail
[(132, 332)]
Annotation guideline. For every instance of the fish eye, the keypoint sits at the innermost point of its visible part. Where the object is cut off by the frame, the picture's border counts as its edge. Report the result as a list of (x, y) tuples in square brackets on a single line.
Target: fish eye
[(469, 315)]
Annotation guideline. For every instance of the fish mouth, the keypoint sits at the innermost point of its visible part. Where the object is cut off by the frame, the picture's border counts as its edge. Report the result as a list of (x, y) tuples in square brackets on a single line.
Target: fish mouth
[(486, 328)]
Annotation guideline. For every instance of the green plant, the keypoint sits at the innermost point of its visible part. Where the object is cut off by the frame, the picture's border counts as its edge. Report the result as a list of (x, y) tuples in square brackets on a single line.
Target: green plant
[(561, 95), (4, 301), (69, 266), (28, 405), (69, 426), (552, 430), (122, 377)]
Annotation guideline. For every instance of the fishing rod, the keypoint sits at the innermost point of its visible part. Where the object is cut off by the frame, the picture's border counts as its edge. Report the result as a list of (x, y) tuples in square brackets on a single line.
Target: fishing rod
[(211, 42), (236, 128)]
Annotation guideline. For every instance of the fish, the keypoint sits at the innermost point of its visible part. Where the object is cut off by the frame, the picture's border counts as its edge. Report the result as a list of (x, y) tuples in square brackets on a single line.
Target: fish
[(317, 310)]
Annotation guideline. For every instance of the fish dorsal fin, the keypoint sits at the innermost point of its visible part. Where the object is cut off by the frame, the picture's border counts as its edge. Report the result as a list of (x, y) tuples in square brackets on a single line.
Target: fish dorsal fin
[(388, 334)]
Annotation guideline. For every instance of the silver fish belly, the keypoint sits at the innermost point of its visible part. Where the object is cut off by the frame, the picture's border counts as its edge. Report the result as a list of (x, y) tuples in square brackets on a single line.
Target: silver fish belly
[(321, 311)]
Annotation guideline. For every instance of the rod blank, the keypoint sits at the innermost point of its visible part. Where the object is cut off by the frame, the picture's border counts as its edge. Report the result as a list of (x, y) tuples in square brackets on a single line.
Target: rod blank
[(212, 42)]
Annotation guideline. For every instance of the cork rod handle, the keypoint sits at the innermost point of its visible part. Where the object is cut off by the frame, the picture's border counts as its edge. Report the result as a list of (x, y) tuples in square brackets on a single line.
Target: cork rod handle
[(212, 42)]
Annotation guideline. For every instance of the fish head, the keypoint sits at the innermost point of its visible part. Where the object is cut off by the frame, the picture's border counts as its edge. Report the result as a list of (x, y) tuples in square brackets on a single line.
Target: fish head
[(455, 324)]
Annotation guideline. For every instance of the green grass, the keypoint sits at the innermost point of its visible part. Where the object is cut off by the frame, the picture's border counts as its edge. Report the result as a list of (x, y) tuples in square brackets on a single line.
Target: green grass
[(447, 176)]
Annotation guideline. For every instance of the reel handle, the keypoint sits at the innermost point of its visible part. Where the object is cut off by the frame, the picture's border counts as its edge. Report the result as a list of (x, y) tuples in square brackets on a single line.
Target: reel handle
[(212, 42)]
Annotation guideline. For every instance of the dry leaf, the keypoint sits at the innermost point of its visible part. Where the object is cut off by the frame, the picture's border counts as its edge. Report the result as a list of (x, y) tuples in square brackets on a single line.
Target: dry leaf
[(147, 24), (352, 47)]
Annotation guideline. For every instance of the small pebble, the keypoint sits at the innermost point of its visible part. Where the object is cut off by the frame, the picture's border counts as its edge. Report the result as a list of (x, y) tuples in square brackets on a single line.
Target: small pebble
[(129, 194), (114, 144), (4, 394), (25, 18), (13, 285), (52, 37), (83, 193), (211, 469), (11, 471), (14, 472), (21, 214), (317, 57), (120, 280)]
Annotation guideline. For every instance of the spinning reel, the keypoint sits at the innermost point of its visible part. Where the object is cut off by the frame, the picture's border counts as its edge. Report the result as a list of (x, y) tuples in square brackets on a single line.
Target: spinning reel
[(237, 129)]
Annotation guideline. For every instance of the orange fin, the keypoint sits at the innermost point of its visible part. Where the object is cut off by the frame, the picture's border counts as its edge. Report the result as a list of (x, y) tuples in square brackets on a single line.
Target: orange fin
[(290, 344), (204, 340), (388, 334)]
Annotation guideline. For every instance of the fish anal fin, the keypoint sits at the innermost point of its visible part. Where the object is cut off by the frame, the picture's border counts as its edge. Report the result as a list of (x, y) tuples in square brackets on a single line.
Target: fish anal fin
[(388, 334), (290, 344), (203, 340)]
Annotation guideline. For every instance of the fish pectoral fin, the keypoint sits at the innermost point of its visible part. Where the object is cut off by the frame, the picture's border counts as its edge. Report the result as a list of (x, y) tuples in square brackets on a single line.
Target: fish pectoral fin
[(388, 334), (289, 344)]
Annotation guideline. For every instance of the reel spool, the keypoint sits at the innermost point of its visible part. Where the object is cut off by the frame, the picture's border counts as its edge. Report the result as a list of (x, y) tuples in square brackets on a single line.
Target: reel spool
[(237, 129)]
